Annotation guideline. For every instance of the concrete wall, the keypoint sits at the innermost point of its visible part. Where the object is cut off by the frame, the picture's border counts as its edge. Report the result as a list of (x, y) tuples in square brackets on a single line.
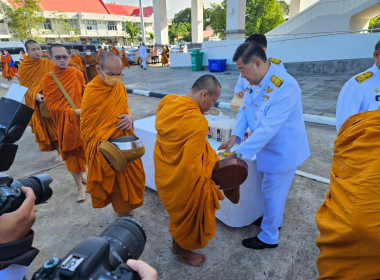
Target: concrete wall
[(295, 50)]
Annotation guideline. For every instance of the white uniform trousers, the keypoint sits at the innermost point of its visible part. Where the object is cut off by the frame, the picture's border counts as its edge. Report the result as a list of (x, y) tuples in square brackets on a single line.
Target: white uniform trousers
[(275, 189), (143, 63)]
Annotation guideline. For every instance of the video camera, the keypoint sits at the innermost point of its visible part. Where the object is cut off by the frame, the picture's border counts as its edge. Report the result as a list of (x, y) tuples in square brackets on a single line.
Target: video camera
[(102, 257)]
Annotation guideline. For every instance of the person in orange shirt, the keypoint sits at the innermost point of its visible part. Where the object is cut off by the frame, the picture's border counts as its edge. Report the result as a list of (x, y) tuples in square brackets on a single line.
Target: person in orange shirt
[(183, 162), (124, 58), (90, 64), (65, 112), (114, 49), (5, 68), (106, 115), (31, 71)]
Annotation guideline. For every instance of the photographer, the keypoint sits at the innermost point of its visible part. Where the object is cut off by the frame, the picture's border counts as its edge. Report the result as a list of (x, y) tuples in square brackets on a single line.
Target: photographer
[(145, 271), (16, 226)]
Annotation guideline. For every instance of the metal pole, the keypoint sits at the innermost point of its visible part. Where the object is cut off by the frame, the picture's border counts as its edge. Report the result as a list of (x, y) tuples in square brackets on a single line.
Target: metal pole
[(142, 22), (27, 19)]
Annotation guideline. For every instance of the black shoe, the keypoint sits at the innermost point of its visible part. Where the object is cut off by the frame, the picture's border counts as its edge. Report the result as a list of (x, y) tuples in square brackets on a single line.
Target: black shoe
[(256, 243), (258, 222)]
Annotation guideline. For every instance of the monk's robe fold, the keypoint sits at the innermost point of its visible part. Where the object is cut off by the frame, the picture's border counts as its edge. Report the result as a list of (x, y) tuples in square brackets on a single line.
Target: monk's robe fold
[(101, 107), (91, 69), (64, 116), (349, 218), (184, 161), (77, 60), (31, 72)]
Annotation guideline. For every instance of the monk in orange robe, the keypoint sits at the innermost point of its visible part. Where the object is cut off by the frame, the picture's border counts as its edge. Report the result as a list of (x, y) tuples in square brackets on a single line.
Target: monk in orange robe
[(84, 69), (5, 68), (100, 51), (106, 115), (66, 115), (184, 161), (124, 58), (31, 71), (114, 49), (11, 64), (349, 218), (74, 58), (90, 64), (164, 59)]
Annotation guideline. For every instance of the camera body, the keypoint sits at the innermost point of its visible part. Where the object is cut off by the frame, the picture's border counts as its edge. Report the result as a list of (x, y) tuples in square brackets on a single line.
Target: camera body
[(100, 257)]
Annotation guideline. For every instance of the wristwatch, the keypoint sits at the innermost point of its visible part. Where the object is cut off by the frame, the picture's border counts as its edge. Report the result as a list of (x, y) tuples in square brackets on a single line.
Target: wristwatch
[(238, 155)]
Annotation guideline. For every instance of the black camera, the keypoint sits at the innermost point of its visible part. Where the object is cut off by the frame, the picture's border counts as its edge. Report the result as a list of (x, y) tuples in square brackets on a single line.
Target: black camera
[(11, 196), (100, 258)]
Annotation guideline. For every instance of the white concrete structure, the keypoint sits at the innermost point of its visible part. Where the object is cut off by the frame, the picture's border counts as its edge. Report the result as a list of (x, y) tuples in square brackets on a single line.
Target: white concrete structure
[(329, 16), (197, 21), (322, 48), (235, 25), (160, 22)]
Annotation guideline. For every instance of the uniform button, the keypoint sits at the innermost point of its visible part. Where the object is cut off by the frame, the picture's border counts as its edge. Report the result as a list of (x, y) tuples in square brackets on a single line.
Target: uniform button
[(255, 105), (255, 118), (259, 85)]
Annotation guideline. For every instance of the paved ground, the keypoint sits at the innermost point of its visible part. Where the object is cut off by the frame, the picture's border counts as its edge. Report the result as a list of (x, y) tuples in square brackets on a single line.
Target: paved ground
[(62, 223)]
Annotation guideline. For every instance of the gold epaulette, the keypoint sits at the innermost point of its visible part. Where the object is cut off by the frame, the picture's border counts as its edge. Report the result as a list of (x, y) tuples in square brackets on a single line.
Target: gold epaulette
[(365, 76), (274, 60), (276, 81)]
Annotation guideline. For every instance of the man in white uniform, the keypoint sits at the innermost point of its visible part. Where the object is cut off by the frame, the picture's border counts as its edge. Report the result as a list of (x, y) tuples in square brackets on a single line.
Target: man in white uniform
[(361, 93), (260, 39), (143, 54), (272, 109)]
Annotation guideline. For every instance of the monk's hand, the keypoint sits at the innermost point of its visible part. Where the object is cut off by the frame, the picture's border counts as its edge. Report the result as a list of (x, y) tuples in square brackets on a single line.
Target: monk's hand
[(228, 144), (77, 111), (125, 123), (240, 94), (39, 97)]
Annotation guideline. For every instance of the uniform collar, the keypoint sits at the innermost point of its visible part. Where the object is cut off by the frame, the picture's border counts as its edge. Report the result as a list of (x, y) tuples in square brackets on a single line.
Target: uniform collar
[(375, 70), (267, 76)]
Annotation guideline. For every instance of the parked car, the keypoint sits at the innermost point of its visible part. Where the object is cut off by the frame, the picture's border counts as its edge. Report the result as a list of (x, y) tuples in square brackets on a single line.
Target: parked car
[(133, 56)]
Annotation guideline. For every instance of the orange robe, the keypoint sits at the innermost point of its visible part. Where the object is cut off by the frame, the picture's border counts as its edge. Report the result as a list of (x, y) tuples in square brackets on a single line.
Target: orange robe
[(124, 60), (76, 66), (84, 70), (97, 56), (77, 60), (12, 69), (164, 59), (115, 50), (101, 107), (349, 218), (5, 68), (31, 73), (67, 122), (91, 69), (184, 161)]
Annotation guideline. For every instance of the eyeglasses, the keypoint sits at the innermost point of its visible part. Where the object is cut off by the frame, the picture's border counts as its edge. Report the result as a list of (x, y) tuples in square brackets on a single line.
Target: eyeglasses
[(59, 57)]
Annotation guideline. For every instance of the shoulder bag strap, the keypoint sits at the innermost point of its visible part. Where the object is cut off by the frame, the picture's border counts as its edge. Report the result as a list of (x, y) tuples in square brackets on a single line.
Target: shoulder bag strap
[(71, 102)]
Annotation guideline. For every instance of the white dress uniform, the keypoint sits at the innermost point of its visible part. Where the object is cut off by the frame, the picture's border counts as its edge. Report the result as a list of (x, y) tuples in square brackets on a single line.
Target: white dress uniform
[(361, 93), (143, 54), (273, 112), (242, 83)]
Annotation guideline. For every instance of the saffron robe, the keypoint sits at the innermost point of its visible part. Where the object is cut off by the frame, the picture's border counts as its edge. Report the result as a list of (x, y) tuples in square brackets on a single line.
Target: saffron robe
[(184, 161), (349, 218), (64, 116), (5, 68), (101, 106), (31, 73), (124, 60), (91, 69)]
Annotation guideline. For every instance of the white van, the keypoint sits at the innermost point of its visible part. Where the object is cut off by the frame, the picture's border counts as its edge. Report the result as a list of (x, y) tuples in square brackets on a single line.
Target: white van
[(13, 49)]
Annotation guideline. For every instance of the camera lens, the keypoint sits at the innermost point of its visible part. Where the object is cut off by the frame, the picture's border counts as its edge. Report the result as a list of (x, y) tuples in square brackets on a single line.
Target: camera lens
[(127, 239), (40, 186)]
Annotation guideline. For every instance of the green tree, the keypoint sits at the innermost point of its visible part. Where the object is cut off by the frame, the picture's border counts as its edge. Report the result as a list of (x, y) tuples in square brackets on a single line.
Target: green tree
[(206, 17), (374, 23), (285, 8), (62, 27), (218, 17), (151, 35), (132, 29), (16, 19), (177, 30), (263, 15), (183, 16)]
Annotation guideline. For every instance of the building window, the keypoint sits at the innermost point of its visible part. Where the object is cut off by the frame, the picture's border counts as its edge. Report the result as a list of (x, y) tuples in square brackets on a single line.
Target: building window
[(47, 24), (91, 25), (111, 25)]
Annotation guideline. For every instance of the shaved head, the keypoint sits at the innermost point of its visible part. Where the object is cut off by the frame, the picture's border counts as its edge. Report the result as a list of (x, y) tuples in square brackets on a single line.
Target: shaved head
[(108, 58), (29, 43), (208, 82)]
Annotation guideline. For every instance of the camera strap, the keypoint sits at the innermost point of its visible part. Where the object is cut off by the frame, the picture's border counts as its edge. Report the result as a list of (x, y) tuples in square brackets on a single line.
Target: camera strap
[(18, 252)]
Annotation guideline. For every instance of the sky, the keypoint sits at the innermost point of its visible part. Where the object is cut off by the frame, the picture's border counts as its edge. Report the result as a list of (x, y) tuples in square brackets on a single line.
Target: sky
[(172, 6)]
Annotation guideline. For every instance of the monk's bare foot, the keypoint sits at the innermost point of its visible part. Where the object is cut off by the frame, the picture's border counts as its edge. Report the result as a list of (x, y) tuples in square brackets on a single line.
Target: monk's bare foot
[(191, 258), (175, 248), (58, 159), (126, 214), (84, 180), (81, 196)]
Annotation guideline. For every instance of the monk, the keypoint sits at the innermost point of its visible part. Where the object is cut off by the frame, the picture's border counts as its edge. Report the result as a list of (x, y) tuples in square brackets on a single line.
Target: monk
[(164, 59), (84, 69), (90, 64), (5, 68), (100, 51), (31, 71), (47, 50), (65, 115), (184, 161), (114, 49), (349, 218), (74, 58), (106, 115), (124, 58), (11, 64)]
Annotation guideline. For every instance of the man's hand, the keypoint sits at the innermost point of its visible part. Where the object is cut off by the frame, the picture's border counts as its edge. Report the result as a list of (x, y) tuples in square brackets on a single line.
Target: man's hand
[(240, 94), (125, 123), (228, 144), (145, 271), (232, 155), (17, 224), (77, 111), (39, 97)]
